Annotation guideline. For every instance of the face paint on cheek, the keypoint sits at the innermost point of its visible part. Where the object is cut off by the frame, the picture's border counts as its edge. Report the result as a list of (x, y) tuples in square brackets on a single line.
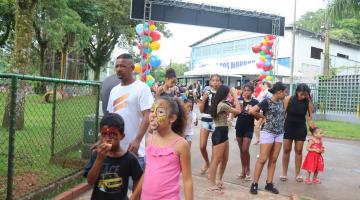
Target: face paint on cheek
[(161, 114)]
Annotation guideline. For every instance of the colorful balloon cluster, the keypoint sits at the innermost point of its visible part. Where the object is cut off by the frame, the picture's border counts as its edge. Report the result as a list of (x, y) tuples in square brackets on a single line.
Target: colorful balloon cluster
[(149, 42), (266, 54)]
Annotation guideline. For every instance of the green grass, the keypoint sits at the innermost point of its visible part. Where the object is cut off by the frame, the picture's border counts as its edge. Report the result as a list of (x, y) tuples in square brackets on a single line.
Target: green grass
[(32, 144), (340, 129)]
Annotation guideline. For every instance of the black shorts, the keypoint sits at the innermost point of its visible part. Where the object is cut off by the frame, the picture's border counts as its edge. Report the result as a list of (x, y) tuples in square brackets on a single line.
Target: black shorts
[(244, 133), (220, 135), (297, 132)]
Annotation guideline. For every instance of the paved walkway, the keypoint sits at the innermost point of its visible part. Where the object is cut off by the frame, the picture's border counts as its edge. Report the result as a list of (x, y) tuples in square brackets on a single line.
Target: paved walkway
[(341, 179)]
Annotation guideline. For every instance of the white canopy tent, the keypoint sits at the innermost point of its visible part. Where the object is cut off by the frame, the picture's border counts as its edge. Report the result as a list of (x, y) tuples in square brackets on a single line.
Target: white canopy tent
[(249, 69)]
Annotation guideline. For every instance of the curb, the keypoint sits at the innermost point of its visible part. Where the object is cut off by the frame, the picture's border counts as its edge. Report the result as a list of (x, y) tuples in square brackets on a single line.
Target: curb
[(73, 192)]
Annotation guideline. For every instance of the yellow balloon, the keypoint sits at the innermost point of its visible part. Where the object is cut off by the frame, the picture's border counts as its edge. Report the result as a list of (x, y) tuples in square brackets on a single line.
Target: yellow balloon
[(149, 56), (149, 78), (155, 45), (152, 27), (268, 78), (137, 68), (262, 58)]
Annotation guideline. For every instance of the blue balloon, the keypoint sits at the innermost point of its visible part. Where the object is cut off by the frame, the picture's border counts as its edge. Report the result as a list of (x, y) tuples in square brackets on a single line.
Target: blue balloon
[(155, 61), (267, 63), (268, 57), (147, 72), (265, 73), (146, 26), (147, 50), (139, 29)]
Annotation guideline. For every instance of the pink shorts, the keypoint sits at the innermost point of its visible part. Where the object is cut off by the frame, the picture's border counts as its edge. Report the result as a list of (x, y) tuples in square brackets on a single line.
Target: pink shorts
[(269, 138)]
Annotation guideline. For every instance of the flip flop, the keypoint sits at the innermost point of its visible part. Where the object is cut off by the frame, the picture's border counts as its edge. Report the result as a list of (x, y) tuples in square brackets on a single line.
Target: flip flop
[(308, 181), (283, 178), (247, 178), (215, 189), (203, 170), (241, 176), (299, 179), (220, 185)]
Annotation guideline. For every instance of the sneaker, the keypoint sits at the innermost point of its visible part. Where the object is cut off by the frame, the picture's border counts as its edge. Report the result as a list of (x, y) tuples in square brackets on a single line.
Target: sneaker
[(254, 188), (270, 187)]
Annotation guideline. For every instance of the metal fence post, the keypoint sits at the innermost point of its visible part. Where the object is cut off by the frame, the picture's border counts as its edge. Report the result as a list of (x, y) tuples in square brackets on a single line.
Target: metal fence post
[(12, 116), (97, 113), (53, 121)]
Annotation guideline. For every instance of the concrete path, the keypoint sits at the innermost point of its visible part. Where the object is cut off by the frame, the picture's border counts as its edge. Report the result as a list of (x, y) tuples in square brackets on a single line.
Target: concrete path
[(341, 179)]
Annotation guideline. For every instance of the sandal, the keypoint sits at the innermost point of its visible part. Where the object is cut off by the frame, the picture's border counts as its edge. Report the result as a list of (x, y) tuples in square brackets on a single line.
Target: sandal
[(247, 178), (299, 178), (215, 189), (283, 178), (220, 185), (316, 181), (241, 176), (308, 181), (204, 169)]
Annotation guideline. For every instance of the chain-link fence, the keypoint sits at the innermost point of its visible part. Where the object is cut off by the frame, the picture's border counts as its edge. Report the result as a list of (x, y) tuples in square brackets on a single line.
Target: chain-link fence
[(41, 135)]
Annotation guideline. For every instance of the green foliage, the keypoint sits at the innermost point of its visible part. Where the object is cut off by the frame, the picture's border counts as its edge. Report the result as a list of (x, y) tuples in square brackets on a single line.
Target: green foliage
[(340, 9), (7, 20), (159, 73), (346, 28)]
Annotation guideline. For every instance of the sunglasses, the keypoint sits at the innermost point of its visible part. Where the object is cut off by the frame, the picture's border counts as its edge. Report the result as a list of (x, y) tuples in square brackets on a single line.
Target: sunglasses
[(109, 132)]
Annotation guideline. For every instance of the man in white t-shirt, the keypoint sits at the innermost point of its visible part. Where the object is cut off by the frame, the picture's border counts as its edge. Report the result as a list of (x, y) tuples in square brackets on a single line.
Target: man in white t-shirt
[(132, 99)]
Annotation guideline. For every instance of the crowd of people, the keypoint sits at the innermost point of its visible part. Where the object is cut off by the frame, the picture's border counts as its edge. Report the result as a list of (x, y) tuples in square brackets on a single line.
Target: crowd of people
[(146, 134)]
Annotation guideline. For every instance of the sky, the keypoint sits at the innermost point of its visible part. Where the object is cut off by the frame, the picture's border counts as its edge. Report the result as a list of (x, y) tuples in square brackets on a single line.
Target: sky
[(176, 48)]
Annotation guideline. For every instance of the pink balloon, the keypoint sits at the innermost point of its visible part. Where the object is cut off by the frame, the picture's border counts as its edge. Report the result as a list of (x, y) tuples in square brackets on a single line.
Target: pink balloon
[(270, 43), (263, 48)]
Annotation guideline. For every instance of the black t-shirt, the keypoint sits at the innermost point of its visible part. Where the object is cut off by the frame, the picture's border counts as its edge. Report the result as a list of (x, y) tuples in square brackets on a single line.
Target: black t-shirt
[(113, 180), (245, 121)]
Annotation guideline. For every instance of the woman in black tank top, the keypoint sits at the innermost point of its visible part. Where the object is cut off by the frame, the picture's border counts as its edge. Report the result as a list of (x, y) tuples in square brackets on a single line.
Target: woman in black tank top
[(168, 88), (298, 111)]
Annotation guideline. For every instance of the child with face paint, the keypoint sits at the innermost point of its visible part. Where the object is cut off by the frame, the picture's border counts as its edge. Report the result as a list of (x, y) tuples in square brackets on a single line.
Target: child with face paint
[(167, 154)]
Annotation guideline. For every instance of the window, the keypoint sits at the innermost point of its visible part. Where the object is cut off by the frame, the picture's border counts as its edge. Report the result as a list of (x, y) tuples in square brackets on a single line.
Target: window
[(316, 53), (342, 56)]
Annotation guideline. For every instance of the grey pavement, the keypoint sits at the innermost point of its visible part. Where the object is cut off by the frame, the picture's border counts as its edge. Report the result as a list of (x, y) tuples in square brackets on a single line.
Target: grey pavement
[(340, 180)]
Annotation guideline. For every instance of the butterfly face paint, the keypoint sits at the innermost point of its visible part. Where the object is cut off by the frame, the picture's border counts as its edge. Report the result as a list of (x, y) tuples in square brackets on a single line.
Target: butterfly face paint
[(158, 114)]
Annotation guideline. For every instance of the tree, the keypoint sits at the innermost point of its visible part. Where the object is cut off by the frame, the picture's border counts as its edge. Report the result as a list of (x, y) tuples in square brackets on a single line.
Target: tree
[(111, 25), (159, 73), (21, 56), (7, 20), (52, 16), (347, 28), (340, 9)]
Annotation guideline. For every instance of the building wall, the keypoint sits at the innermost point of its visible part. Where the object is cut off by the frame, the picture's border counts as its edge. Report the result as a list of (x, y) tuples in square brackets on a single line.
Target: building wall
[(233, 43)]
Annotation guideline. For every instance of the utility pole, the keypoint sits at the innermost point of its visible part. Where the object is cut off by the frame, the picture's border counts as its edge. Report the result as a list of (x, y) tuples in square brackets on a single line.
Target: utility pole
[(327, 43), (293, 51)]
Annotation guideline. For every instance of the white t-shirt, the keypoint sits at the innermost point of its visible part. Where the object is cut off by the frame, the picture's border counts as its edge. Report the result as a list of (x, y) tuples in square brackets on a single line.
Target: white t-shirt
[(190, 120), (129, 101)]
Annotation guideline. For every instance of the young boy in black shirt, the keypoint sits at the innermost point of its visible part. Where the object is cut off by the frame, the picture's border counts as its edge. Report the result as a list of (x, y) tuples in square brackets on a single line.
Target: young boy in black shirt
[(110, 166)]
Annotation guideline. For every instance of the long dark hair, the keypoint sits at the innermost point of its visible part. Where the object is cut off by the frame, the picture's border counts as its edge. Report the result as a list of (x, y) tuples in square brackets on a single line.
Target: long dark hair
[(220, 95), (278, 86), (302, 87), (177, 109)]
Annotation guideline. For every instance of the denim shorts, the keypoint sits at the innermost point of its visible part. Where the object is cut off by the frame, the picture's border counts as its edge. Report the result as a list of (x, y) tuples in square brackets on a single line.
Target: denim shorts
[(209, 126), (269, 138), (188, 138)]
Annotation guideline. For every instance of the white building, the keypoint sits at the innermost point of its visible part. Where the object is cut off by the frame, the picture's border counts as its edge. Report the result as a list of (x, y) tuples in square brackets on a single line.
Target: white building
[(232, 50)]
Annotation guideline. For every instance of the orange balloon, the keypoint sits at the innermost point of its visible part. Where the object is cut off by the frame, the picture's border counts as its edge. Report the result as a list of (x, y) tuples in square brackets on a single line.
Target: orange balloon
[(137, 68)]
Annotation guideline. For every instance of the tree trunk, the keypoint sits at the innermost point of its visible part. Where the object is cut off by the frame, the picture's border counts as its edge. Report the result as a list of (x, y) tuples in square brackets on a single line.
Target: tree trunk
[(97, 74), (41, 86), (21, 57)]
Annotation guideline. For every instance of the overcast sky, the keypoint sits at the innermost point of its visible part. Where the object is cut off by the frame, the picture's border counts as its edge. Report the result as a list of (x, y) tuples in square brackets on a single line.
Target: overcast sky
[(177, 48)]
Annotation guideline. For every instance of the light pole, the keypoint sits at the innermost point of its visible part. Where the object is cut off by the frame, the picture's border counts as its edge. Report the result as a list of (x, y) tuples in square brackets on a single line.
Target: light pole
[(293, 51)]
